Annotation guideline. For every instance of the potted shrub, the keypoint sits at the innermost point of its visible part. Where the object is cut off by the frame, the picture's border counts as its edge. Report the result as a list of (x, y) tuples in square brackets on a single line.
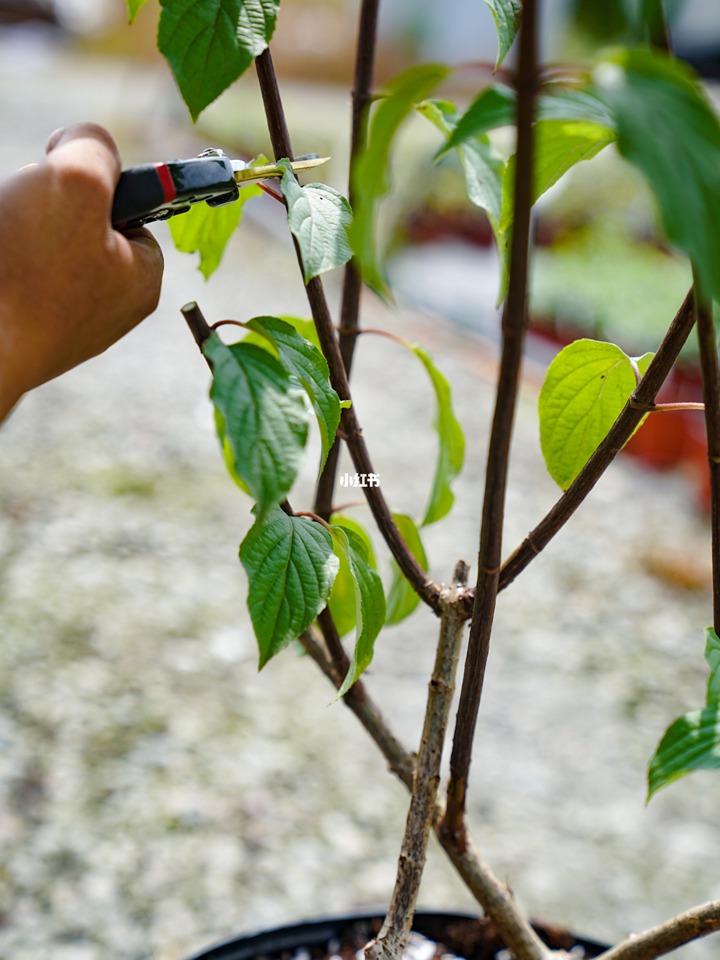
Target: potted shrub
[(311, 572)]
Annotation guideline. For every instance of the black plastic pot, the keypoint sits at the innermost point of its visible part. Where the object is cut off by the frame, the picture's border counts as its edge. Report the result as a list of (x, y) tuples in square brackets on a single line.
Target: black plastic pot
[(464, 935)]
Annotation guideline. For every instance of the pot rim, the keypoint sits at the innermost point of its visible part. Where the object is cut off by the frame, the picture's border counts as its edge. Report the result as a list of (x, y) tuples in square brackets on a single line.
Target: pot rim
[(248, 945)]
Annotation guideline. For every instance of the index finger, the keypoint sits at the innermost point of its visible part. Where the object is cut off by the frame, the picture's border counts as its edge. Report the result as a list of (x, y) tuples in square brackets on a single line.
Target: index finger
[(85, 146)]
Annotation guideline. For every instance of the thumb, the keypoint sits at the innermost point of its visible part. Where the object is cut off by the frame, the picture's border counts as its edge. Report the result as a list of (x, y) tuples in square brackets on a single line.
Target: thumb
[(147, 267)]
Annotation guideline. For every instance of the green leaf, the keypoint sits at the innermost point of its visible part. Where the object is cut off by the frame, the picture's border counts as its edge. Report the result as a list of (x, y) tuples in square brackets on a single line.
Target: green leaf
[(303, 360), (559, 145), (668, 129), (228, 453), (559, 101), (304, 326), (319, 218), (692, 742), (371, 176), (577, 127), (369, 601), (207, 229), (134, 7), (402, 599), (342, 599), (265, 416), (507, 15), (482, 165), (291, 568), (586, 387), (494, 107), (210, 43)]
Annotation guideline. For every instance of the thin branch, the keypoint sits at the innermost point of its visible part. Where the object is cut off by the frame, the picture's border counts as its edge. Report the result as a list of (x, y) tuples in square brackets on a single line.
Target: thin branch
[(392, 939), (425, 587), (361, 98), (691, 925), (197, 323), (514, 325), (274, 112), (711, 394), (352, 282), (635, 409)]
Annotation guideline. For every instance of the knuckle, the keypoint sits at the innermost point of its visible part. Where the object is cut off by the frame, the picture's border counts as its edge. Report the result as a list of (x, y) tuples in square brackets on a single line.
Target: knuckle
[(82, 180)]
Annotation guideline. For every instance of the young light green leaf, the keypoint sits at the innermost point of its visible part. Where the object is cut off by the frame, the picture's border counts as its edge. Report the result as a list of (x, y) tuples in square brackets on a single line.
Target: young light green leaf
[(371, 176), (303, 360), (559, 145), (586, 387), (134, 7), (342, 601), (482, 166), (210, 43), (319, 218), (369, 601), (265, 416), (667, 128), (402, 599), (291, 568), (206, 230), (451, 452), (507, 15)]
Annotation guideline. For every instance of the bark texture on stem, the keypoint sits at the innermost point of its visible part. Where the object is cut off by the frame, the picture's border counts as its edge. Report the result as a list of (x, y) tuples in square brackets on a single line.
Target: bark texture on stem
[(392, 939), (637, 406), (514, 324), (658, 941)]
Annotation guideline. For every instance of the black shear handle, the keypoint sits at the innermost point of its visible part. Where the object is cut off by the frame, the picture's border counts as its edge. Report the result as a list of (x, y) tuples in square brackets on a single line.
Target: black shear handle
[(156, 191), (141, 191)]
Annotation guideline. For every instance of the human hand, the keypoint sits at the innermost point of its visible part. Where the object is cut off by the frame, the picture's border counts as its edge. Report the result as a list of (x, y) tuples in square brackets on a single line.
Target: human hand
[(70, 285)]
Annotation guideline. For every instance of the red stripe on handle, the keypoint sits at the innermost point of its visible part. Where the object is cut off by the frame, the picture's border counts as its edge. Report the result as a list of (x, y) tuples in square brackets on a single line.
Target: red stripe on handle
[(166, 181)]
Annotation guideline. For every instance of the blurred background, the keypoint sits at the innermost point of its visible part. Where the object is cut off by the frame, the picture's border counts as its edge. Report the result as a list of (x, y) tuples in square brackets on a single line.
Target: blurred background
[(156, 792)]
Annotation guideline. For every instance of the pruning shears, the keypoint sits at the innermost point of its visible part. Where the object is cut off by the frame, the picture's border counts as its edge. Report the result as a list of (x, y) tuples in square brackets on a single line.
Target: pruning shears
[(158, 191)]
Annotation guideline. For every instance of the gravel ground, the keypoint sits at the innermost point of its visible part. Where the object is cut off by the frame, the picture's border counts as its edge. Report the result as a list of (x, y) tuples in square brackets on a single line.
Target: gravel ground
[(156, 792)]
